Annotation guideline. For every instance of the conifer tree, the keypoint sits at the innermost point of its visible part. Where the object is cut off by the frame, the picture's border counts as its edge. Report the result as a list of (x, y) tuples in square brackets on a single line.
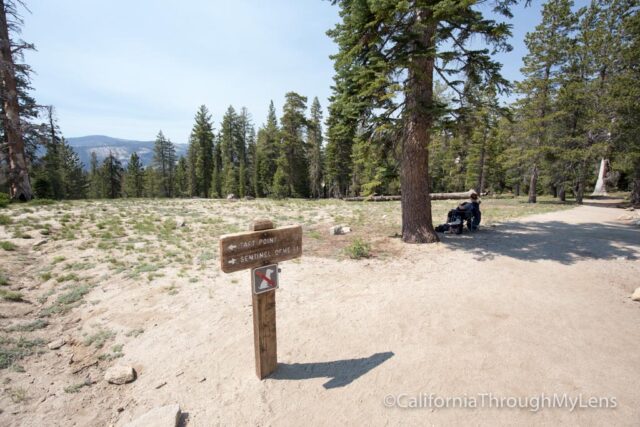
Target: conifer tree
[(134, 178), (314, 144), (388, 54), (230, 153), (201, 153), (267, 154), (164, 162), (216, 176), (292, 163), (547, 45), (74, 179), (96, 189), (182, 178), (112, 173)]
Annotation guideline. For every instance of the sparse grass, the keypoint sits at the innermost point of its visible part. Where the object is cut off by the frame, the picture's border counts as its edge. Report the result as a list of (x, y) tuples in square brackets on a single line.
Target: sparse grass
[(75, 294), (358, 249), (134, 332), (4, 280), (67, 277), (171, 290), (30, 326), (75, 388), (8, 246), (314, 234), (66, 301), (116, 352), (5, 220), (99, 338), (18, 395), (11, 351), (8, 295)]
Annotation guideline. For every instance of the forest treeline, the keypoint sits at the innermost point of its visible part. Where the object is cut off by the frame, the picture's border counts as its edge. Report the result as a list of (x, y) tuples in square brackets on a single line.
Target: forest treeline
[(576, 106)]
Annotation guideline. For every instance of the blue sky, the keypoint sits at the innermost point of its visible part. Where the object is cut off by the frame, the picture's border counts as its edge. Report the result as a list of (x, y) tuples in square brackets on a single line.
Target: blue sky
[(128, 68)]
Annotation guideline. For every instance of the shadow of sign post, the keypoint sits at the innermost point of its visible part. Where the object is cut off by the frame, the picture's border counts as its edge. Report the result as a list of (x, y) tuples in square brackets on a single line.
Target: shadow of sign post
[(341, 372)]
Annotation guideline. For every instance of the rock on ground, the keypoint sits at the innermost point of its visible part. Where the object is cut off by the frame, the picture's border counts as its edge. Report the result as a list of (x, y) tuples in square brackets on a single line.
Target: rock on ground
[(339, 229), (120, 374), (54, 345), (163, 416), (636, 295)]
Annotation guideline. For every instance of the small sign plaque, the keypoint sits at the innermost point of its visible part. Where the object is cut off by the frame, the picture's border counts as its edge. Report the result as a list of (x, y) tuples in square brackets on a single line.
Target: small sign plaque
[(264, 279)]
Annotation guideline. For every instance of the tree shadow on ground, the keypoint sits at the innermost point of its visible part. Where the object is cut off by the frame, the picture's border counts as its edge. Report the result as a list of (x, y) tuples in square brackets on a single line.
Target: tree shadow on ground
[(341, 372), (555, 240)]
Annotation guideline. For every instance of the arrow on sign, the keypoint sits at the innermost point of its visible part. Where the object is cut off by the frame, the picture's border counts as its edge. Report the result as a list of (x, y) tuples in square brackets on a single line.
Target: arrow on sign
[(232, 261), (232, 247)]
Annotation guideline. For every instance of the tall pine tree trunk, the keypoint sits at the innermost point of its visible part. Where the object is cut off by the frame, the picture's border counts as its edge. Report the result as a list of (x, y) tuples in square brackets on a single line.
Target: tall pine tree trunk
[(20, 186), (533, 184), (580, 191), (562, 196), (417, 226), (635, 194), (482, 167)]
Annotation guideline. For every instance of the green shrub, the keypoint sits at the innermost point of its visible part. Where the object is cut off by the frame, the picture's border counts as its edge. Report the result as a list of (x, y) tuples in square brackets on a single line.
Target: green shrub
[(5, 220), (10, 295), (7, 246), (30, 326), (74, 295), (358, 249), (12, 351), (4, 200)]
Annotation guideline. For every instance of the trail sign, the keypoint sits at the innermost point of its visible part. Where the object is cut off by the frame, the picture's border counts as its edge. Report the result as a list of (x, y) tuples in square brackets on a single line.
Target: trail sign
[(240, 251), (260, 249), (264, 279)]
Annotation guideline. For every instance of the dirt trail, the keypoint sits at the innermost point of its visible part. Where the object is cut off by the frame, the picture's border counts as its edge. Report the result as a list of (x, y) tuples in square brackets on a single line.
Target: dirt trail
[(524, 308)]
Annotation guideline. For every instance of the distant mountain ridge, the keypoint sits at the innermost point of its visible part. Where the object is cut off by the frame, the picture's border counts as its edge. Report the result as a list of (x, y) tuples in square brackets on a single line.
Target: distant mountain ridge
[(121, 148)]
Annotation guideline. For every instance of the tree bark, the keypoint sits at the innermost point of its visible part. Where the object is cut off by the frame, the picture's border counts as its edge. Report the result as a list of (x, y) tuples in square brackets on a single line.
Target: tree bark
[(417, 226), (482, 166), (533, 184), (19, 183), (580, 191), (635, 193), (562, 196), (516, 190)]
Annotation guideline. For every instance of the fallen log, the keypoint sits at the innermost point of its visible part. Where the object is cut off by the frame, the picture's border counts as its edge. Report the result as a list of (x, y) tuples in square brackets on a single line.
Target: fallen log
[(434, 196)]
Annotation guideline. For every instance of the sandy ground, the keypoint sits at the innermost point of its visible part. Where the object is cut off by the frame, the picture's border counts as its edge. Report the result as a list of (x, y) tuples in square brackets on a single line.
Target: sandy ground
[(536, 306)]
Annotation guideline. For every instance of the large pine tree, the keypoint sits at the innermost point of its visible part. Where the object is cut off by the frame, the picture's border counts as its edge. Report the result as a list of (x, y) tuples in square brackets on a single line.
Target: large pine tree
[(134, 178), (164, 162), (200, 156), (548, 45), (112, 173), (292, 173), (267, 154), (315, 154), (388, 55)]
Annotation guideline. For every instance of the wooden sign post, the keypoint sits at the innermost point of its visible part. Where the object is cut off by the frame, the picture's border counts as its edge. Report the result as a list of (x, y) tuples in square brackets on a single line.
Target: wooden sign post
[(262, 246)]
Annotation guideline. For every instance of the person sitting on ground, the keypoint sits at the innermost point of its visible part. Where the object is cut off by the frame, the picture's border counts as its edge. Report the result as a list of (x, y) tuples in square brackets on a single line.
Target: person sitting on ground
[(466, 211)]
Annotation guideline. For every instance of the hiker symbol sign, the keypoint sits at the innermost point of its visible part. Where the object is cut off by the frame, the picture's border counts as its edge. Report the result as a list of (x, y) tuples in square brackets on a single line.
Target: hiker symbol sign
[(264, 279)]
